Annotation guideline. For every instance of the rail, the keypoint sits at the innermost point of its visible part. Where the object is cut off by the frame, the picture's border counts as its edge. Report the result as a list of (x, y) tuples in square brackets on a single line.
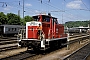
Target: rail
[(26, 54), (76, 38), (86, 56), (20, 56), (79, 54)]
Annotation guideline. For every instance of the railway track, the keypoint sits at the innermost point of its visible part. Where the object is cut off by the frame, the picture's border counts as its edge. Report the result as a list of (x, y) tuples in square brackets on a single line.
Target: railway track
[(76, 35), (7, 38), (25, 55), (87, 57), (80, 54), (7, 43), (20, 56), (8, 47), (78, 38)]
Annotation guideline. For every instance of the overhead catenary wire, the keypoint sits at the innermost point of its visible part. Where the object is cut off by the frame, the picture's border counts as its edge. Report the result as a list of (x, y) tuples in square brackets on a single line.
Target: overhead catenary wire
[(59, 10), (68, 11), (28, 8), (85, 5), (31, 10), (81, 8), (20, 6)]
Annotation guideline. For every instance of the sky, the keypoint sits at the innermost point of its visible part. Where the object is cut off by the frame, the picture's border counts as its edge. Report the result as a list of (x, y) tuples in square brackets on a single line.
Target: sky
[(64, 10)]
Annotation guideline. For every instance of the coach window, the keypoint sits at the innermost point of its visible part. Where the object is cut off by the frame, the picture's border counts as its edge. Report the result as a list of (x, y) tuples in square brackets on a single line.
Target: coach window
[(15, 29), (6, 29), (12, 29)]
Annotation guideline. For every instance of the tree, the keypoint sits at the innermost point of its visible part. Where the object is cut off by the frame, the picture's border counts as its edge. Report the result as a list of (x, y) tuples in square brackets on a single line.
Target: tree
[(13, 19), (27, 19), (71, 24), (3, 18)]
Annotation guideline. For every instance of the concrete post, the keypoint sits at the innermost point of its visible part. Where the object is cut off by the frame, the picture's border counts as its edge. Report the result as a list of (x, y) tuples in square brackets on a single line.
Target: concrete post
[(67, 41)]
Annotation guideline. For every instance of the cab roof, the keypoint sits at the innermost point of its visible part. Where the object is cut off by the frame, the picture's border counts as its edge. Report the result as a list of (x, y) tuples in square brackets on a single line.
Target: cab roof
[(45, 16)]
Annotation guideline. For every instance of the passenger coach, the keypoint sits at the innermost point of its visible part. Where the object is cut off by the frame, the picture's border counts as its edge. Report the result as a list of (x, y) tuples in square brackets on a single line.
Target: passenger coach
[(9, 30)]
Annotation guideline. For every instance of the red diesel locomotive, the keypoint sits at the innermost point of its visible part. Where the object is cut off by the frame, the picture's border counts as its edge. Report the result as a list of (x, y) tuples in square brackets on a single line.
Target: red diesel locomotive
[(50, 35)]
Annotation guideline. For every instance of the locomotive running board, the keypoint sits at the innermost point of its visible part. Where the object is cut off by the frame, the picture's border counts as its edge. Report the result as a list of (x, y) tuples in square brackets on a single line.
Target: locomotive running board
[(56, 39), (31, 39)]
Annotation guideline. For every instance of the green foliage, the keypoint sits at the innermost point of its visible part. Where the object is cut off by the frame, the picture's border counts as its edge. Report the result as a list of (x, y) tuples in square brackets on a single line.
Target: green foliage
[(27, 19), (71, 24), (3, 18), (14, 19)]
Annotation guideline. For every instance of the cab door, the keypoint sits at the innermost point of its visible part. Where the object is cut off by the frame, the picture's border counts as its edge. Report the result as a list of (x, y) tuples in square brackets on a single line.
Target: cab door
[(30, 32)]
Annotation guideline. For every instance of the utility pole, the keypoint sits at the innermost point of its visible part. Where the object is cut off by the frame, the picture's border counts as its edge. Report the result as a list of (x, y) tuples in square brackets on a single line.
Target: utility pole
[(62, 18), (22, 22), (23, 9)]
